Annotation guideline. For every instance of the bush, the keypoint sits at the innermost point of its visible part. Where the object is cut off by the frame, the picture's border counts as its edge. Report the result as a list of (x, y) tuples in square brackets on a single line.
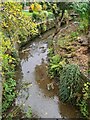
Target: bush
[(70, 83), (15, 28)]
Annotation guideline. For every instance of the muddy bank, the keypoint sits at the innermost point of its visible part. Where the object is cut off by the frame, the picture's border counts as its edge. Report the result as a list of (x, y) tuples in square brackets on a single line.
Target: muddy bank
[(73, 46)]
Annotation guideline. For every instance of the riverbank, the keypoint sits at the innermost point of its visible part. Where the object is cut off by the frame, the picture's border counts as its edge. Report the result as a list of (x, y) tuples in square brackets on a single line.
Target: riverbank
[(67, 51), (73, 45), (34, 79)]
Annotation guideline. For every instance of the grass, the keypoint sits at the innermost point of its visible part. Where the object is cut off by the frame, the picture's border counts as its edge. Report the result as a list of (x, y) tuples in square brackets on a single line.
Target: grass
[(27, 13)]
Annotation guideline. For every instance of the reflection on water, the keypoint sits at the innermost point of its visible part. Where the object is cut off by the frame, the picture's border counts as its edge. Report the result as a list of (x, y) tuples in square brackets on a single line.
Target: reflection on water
[(44, 103)]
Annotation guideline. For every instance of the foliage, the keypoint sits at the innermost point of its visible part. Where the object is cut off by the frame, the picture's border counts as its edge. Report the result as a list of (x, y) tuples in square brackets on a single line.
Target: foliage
[(43, 27), (50, 52), (83, 26), (44, 15), (41, 16), (15, 24), (50, 15), (36, 16), (29, 113), (83, 10), (27, 13), (83, 103), (36, 7), (15, 27), (70, 83), (8, 71), (55, 66), (74, 35), (8, 93), (44, 7)]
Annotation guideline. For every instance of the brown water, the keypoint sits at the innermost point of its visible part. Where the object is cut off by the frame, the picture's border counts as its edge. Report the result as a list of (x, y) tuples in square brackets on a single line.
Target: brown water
[(34, 93)]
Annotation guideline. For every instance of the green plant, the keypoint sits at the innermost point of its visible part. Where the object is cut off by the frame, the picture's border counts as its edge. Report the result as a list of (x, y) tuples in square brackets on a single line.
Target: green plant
[(83, 108), (55, 66), (8, 93), (50, 15), (70, 83), (29, 113), (83, 26), (8, 73), (36, 16), (83, 9), (15, 27), (83, 103), (74, 35), (43, 27), (50, 52)]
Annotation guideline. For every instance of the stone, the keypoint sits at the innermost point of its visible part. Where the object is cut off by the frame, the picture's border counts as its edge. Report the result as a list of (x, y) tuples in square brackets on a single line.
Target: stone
[(85, 43), (80, 40)]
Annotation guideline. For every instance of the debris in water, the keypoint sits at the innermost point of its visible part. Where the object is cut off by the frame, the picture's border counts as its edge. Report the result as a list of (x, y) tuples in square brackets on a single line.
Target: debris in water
[(46, 113), (50, 86)]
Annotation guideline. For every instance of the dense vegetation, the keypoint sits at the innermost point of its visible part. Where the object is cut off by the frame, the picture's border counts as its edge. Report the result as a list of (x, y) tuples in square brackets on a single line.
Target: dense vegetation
[(73, 88), (17, 25), (15, 28)]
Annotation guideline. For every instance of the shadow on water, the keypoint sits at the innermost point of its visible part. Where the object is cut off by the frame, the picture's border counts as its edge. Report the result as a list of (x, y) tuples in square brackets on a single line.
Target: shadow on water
[(34, 93)]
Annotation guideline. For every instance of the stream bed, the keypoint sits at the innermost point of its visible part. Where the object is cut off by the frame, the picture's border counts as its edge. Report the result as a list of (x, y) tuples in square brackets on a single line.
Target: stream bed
[(34, 93)]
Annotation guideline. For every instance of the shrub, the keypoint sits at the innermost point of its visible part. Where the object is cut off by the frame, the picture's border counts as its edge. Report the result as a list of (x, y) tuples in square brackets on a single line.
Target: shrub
[(70, 83), (15, 27)]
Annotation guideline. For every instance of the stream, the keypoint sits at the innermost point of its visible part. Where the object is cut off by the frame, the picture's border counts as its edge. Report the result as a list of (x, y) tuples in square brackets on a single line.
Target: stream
[(34, 93)]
